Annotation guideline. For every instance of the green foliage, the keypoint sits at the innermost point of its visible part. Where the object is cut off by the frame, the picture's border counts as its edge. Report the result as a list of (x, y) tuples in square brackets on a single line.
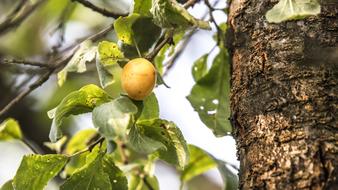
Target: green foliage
[(10, 129), (8, 185), (81, 101), (113, 118), (292, 10), (170, 14), (116, 177), (99, 172), (85, 53), (109, 53), (142, 7), (210, 96), (80, 141), (143, 183), (36, 170), (162, 135), (200, 67), (199, 163), (230, 180), (138, 31), (148, 108)]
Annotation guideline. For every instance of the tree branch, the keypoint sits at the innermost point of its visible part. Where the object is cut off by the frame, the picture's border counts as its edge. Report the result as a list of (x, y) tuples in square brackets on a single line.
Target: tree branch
[(88, 148), (100, 10), (15, 20), (24, 62), (59, 63)]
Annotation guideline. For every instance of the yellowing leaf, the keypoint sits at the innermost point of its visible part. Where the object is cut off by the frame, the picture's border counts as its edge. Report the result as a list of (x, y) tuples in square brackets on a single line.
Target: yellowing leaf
[(85, 53), (109, 53), (10, 129)]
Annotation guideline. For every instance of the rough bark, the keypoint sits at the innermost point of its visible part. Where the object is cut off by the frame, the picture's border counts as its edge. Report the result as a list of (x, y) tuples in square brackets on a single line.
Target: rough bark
[(284, 97)]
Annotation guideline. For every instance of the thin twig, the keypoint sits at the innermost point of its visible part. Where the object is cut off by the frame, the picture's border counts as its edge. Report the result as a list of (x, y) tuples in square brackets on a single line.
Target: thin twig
[(147, 183), (179, 51), (167, 38), (189, 3), (88, 148), (100, 10), (31, 146), (122, 148), (14, 22), (54, 65), (24, 93), (24, 62)]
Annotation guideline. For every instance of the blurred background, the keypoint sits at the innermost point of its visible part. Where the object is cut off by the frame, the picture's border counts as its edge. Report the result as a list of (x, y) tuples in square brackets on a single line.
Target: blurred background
[(41, 35)]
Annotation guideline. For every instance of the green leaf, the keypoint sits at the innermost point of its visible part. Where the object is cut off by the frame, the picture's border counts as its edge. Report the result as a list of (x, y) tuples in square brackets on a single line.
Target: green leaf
[(163, 136), (116, 176), (85, 53), (90, 176), (57, 146), (36, 170), (142, 7), (200, 67), (170, 14), (10, 129), (80, 141), (77, 102), (75, 163), (200, 162), (137, 30), (143, 183), (142, 143), (210, 96), (113, 118), (292, 10), (148, 108), (8, 185), (230, 180), (109, 53)]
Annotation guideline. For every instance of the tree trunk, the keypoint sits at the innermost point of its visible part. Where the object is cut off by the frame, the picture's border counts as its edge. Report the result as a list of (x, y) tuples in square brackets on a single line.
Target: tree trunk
[(284, 97)]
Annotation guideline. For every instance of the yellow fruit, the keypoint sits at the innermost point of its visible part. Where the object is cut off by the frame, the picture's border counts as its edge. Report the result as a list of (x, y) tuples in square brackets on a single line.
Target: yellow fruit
[(138, 78)]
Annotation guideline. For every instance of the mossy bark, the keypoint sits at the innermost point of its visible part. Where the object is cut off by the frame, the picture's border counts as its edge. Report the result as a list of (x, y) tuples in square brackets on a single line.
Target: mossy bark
[(284, 97)]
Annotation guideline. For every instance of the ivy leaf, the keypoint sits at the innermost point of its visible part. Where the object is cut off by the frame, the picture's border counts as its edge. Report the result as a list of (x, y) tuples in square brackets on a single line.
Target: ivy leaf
[(199, 162), (163, 136), (210, 96), (170, 14), (77, 102), (80, 141), (8, 185), (113, 118), (116, 176), (142, 7), (36, 170), (109, 53), (145, 183), (90, 176), (10, 129), (85, 53), (199, 69), (292, 10), (137, 30)]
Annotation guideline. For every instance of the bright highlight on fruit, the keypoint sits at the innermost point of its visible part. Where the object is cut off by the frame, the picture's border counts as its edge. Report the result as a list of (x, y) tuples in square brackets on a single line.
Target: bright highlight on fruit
[(138, 78)]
